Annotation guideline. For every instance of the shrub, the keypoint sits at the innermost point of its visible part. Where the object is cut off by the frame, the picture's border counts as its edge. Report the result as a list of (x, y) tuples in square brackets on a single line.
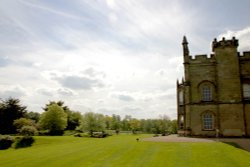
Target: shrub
[(77, 135), (25, 141), (69, 132), (43, 133), (28, 131), (99, 135), (5, 142), (156, 135), (56, 132)]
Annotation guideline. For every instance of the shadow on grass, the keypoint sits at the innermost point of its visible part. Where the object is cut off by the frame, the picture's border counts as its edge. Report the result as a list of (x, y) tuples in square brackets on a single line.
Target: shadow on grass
[(234, 145)]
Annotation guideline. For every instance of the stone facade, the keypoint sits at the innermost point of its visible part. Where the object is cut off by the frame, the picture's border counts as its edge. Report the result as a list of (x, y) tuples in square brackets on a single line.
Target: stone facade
[(213, 99)]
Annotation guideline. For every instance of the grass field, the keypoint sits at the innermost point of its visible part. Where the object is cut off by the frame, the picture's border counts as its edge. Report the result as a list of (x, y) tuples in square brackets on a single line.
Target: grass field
[(122, 150)]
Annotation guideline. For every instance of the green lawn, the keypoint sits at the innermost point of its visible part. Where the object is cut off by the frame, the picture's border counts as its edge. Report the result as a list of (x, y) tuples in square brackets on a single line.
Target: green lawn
[(122, 150)]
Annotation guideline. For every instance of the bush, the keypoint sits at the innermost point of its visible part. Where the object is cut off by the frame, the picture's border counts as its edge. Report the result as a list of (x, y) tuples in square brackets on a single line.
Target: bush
[(99, 135), (28, 131), (69, 132), (77, 135), (25, 141), (5, 142), (156, 135), (56, 132), (43, 133)]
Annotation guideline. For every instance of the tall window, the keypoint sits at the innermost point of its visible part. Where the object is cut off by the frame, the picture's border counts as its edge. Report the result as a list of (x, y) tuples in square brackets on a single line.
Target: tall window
[(246, 91), (207, 121), (206, 93), (181, 97)]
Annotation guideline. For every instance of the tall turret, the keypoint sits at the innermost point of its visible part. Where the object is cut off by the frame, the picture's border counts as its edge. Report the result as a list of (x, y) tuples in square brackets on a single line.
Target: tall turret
[(185, 49), (186, 58)]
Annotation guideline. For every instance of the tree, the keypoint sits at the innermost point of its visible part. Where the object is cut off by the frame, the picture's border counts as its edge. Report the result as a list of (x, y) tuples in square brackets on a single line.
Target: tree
[(164, 124), (54, 119), (108, 121), (10, 110), (19, 123), (92, 122), (125, 122), (59, 103), (173, 126), (134, 125), (74, 119), (116, 123), (33, 115)]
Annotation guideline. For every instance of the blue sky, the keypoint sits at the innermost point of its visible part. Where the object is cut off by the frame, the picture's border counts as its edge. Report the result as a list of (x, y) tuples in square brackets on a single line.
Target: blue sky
[(108, 56)]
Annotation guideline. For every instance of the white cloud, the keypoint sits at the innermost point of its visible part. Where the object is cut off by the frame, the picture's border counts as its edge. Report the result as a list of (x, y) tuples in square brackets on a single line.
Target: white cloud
[(110, 56), (15, 92), (242, 35), (79, 82)]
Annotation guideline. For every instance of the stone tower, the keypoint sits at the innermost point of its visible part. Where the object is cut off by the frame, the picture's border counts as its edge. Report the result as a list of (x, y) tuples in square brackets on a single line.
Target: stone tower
[(213, 98)]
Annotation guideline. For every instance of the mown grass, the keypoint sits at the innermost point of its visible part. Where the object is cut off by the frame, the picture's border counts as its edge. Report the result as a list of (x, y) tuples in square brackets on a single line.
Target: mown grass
[(122, 150)]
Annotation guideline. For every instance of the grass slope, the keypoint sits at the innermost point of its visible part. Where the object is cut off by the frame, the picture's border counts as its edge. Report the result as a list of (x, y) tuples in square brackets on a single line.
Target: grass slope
[(122, 150)]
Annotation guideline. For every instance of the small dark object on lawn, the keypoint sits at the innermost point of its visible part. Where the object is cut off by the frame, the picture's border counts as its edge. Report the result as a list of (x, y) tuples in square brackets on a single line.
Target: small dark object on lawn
[(137, 139)]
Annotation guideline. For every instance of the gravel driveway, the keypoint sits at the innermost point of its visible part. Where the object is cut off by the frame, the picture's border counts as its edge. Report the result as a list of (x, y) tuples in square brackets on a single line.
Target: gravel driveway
[(242, 142)]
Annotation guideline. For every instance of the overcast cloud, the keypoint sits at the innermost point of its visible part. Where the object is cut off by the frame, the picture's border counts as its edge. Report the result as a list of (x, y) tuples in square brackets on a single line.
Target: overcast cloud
[(109, 56)]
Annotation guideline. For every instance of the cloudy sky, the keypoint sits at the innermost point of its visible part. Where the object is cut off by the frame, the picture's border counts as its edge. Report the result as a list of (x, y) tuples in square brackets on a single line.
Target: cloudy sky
[(109, 56)]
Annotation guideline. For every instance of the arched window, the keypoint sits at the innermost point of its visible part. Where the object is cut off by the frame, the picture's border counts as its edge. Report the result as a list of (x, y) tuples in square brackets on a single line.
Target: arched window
[(206, 93), (181, 97), (208, 121)]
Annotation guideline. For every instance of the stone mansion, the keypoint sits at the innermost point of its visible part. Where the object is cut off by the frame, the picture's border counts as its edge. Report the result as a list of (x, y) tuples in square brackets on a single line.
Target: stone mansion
[(213, 98)]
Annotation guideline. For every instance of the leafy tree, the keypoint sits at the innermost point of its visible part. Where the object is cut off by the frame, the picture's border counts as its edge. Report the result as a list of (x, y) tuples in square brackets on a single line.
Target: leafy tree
[(54, 119), (28, 131), (32, 115), (147, 125), (59, 103), (164, 124), (125, 123), (134, 125), (74, 119), (108, 121), (173, 126), (19, 123), (92, 122), (10, 110), (116, 123)]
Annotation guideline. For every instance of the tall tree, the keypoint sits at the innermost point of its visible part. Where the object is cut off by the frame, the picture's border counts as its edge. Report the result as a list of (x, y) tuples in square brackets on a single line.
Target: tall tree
[(125, 122), (116, 123), (108, 120), (54, 119), (92, 122), (73, 118), (135, 125), (32, 115), (10, 110)]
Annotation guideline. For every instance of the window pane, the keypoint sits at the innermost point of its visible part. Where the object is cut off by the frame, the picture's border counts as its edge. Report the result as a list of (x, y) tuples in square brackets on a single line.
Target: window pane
[(246, 91), (181, 97), (208, 121), (206, 93)]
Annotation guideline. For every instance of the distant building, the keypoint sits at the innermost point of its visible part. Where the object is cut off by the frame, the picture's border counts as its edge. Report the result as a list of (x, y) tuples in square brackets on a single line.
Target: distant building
[(214, 96)]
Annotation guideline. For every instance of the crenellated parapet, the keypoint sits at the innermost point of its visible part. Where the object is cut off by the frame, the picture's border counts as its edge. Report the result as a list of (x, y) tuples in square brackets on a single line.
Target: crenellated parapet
[(245, 56), (202, 59), (225, 43)]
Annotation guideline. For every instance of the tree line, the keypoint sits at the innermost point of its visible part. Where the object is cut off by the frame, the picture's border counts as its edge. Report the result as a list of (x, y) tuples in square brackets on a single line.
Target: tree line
[(57, 117)]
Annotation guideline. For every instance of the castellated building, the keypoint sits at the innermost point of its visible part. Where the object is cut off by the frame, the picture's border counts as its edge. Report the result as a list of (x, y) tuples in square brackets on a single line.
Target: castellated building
[(213, 99)]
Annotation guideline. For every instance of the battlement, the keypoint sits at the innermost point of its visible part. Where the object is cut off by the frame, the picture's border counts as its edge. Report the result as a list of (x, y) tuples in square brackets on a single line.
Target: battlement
[(245, 56), (201, 59), (224, 43)]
